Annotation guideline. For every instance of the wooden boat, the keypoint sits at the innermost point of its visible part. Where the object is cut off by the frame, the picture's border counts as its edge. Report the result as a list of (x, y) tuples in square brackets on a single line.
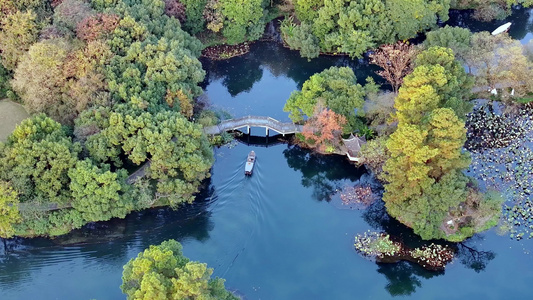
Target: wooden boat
[(502, 28), (250, 162)]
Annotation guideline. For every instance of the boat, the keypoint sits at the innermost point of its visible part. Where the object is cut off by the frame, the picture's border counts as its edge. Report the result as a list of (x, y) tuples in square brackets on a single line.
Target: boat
[(250, 162), (502, 28)]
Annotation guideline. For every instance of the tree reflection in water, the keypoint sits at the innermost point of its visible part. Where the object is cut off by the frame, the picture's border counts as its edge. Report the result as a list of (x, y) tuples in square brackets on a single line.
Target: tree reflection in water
[(325, 174), (404, 277), (108, 243), (473, 258), (238, 74), (522, 24)]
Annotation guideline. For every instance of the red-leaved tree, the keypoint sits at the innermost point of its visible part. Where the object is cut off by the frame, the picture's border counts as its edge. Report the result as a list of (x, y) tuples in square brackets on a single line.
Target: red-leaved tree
[(176, 9), (324, 128), (96, 26)]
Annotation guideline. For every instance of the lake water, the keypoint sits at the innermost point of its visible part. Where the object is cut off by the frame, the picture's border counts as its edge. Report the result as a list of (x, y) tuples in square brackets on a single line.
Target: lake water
[(278, 234)]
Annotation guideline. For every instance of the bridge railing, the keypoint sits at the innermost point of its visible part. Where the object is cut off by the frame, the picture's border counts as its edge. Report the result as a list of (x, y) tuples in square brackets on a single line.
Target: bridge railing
[(259, 121)]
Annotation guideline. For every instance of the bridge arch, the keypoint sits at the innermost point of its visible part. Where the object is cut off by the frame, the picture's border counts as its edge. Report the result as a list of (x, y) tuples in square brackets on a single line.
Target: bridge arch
[(254, 121)]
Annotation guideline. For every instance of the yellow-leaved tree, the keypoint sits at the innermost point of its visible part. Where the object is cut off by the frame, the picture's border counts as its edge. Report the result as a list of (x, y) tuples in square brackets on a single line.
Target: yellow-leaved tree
[(426, 186), (162, 272)]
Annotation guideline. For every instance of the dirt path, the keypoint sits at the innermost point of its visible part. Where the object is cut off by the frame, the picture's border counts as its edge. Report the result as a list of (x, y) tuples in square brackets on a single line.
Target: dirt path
[(11, 114)]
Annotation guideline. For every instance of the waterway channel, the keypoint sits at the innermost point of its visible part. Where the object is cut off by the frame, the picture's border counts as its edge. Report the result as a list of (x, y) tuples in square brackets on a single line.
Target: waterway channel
[(277, 234)]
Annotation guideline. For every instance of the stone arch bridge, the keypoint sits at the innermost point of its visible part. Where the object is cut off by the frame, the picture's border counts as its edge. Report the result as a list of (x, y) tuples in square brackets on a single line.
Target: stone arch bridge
[(254, 121)]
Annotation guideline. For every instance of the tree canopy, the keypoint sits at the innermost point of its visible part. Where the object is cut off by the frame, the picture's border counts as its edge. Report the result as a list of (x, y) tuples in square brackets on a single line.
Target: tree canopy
[(179, 153), (336, 89), (456, 38), (36, 159), (424, 173), (18, 32), (243, 20), (122, 77), (99, 194), (9, 213), (352, 27), (162, 272)]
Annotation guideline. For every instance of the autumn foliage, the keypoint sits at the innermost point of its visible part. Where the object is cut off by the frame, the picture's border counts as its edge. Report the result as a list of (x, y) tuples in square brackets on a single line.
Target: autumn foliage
[(176, 9), (185, 104), (55, 3), (396, 61), (324, 128), (95, 27)]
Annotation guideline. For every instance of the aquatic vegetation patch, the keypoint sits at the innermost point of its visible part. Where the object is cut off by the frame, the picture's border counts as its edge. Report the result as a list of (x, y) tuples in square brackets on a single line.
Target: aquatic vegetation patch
[(221, 52), (376, 244), (502, 160), (435, 255), (488, 129), (359, 194), (381, 247)]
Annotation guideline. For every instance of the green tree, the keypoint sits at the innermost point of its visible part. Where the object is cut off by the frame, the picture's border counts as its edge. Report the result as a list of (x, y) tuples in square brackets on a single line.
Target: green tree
[(153, 57), (307, 10), (410, 17), (99, 194), (9, 212), (352, 26), (335, 88), (162, 272), (456, 38), (437, 81), (424, 174), (36, 160), (447, 133), (302, 38), (241, 18), (151, 69), (194, 11), (18, 32), (126, 33), (179, 153)]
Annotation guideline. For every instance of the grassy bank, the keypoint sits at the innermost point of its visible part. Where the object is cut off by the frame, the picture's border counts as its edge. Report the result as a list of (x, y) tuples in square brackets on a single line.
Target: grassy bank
[(11, 114)]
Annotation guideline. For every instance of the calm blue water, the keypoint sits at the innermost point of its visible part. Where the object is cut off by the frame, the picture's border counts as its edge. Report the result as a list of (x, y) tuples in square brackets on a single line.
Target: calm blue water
[(272, 236), (275, 235)]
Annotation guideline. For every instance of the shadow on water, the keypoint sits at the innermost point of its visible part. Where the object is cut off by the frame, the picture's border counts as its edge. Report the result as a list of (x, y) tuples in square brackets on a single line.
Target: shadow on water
[(324, 173), (239, 74), (404, 277), (262, 141), (108, 242), (469, 254), (521, 19)]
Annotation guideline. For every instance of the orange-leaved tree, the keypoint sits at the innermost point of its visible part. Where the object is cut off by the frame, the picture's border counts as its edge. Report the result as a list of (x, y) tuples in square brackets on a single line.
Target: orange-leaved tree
[(324, 128)]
